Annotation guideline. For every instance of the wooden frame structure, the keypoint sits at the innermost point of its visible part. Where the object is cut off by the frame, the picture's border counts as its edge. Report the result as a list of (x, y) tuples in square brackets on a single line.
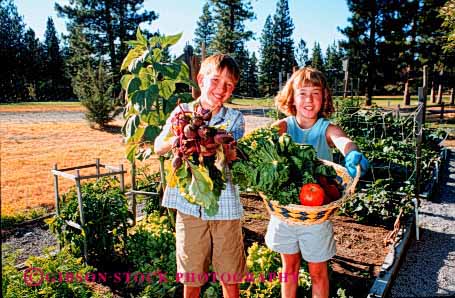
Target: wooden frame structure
[(113, 171)]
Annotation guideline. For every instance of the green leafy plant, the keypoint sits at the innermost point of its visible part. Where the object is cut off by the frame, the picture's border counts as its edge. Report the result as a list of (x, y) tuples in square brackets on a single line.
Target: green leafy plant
[(276, 166), (14, 284), (151, 248), (260, 262), (149, 181), (150, 87), (106, 217)]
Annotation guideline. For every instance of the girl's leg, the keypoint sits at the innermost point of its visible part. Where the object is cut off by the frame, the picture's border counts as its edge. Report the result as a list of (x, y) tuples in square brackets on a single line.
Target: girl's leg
[(291, 266), (320, 279)]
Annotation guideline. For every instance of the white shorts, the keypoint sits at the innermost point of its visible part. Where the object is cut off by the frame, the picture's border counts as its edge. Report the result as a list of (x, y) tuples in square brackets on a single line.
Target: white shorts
[(314, 242)]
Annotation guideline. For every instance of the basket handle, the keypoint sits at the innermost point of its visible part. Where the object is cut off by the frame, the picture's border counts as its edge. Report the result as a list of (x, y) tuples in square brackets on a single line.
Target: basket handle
[(351, 188)]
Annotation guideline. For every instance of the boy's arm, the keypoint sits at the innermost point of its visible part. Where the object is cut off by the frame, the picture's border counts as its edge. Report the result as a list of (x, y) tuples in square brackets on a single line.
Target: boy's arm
[(165, 140)]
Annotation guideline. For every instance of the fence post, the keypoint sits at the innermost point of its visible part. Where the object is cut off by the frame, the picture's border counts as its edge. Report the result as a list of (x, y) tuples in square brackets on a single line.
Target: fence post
[(441, 115), (97, 169), (57, 200), (81, 210), (452, 97), (133, 187)]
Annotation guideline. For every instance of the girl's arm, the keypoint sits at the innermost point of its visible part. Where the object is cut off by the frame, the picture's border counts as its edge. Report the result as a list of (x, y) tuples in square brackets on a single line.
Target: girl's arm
[(336, 137), (282, 126)]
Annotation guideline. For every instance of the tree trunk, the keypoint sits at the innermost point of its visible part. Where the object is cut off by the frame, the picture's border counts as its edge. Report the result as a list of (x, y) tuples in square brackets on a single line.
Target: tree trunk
[(371, 54), (432, 94), (110, 34)]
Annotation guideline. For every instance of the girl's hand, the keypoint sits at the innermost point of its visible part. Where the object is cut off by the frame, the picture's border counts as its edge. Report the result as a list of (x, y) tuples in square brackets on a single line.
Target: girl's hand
[(354, 158)]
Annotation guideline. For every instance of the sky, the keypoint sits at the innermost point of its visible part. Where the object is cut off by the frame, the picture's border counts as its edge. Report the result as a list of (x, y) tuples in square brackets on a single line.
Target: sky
[(314, 21)]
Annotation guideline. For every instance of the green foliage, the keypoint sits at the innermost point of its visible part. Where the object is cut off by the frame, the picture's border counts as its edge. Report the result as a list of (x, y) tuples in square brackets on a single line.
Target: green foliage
[(205, 30), (150, 87), (378, 204), (276, 166), (150, 182), (260, 262), (447, 12), (9, 221), (277, 49), (106, 216), (317, 61), (389, 144), (14, 285), (230, 33), (95, 91), (151, 248), (107, 25)]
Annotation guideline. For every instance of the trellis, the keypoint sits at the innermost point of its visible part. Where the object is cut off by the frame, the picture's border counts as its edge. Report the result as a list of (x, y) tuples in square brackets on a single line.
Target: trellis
[(63, 172)]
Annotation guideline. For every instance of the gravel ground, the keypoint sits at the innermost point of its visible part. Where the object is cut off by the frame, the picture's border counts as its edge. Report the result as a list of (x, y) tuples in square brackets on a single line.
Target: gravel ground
[(429, 267)]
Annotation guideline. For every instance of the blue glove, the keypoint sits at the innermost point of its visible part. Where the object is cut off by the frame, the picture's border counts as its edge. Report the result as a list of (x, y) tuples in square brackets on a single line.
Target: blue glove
[(352, 159)]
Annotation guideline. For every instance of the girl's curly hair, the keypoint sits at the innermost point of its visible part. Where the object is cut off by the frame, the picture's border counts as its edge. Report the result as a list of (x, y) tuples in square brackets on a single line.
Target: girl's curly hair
[(306, 76)]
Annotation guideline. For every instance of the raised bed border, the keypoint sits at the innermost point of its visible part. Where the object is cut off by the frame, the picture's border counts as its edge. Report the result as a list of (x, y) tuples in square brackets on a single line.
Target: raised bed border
[(397, 252)]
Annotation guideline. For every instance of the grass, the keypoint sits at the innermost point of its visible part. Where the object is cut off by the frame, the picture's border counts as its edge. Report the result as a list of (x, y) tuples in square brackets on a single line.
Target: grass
[(42, 106), (30, 150)]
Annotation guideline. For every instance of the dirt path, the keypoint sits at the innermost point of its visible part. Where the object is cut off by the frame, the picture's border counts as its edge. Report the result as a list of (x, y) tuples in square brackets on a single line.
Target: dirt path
[(429, 267)]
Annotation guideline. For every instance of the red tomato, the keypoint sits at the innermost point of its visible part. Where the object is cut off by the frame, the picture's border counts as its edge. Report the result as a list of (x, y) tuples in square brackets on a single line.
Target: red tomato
[(332, 192), (311, 194)]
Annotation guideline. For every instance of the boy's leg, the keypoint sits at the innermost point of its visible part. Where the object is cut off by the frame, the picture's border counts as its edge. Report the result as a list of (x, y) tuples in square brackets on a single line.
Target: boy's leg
[(191, 292), (319, 279), (193, 251), (228, 256), (291, 266)]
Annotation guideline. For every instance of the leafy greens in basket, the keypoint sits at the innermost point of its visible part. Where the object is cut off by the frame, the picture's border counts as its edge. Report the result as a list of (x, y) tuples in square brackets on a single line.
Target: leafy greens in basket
[(276, 165)]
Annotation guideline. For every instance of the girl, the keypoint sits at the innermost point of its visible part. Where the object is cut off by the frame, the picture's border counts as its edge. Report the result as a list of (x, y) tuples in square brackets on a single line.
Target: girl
[(307, 102)]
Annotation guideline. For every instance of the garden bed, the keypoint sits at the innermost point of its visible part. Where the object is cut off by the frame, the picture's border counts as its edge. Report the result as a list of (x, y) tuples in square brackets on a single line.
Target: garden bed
[(360, 248)]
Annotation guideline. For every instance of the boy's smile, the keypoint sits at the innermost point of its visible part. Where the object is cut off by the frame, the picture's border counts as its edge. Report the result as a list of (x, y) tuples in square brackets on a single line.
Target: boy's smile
[(216, 89)]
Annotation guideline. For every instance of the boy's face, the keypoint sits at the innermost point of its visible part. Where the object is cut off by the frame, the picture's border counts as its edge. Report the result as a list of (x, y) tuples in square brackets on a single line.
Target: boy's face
[(216, 88), (308, 101)]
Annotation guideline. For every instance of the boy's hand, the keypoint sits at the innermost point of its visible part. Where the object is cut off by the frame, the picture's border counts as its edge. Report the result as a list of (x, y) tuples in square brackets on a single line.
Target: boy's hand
[(354, 158)]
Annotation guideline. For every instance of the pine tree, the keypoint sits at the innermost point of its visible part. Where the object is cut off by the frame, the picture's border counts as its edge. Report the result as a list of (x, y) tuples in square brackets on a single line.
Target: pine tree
[(205, 31), (35, 61), (302, 53), (230, 16), (316, 57), (12, 77), (79, 53), (268, 81), (54, 69), (243, 59), (283, 28), (94, 89), (230, 36), (252, 83), (107, 24)]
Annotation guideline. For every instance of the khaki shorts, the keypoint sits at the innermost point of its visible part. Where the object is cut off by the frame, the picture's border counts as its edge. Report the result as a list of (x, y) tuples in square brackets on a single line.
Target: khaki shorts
[(200, 243)]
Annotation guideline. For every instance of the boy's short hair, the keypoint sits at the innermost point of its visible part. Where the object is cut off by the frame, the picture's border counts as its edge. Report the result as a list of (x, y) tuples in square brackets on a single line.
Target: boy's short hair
[(306, 76), (219, 62)]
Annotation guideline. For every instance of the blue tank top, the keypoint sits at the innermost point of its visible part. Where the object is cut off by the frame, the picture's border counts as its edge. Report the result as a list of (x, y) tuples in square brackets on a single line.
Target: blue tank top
[(314, 136)]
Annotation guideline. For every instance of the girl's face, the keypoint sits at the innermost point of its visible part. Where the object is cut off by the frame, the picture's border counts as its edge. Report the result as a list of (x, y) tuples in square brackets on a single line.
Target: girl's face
[(308, 101)]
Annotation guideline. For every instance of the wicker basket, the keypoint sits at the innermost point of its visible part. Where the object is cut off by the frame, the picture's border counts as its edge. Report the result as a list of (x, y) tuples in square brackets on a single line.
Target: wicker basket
[(308, 215)]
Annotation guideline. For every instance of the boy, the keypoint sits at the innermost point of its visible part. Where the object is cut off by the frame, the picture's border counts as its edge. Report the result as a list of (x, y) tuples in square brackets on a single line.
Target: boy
[(202, 239)]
